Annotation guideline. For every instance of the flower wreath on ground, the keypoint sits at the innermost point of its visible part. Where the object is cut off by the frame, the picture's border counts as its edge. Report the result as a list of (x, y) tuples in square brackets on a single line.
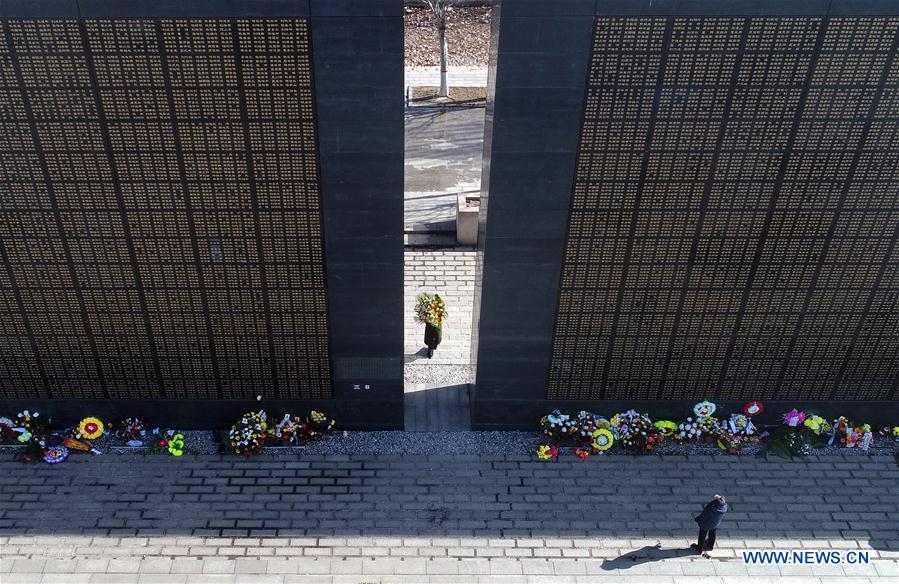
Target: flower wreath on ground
[(735, 432), (589, 433), (636, 433), (252, 431), (249, 433), (31, 430)]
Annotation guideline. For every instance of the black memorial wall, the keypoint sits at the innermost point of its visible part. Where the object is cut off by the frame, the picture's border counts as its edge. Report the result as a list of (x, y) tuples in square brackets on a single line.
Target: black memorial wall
[(710, 191), (180, 189)]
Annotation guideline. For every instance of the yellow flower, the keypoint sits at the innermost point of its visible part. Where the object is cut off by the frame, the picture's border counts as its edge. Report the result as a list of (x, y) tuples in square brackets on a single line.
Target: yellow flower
[(546, 452), (90, 428), (602, 439), (666, 427)]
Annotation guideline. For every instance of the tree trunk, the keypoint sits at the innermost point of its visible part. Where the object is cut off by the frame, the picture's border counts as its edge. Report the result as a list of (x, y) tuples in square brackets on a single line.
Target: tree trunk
[(441, 31)]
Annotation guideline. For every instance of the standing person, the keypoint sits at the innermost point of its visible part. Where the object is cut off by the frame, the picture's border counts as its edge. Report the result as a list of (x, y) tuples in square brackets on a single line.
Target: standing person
[(708, 522)]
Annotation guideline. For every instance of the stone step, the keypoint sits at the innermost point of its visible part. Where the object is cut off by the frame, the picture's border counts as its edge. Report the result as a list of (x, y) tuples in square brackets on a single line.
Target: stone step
[(431, 239), (446, 226)]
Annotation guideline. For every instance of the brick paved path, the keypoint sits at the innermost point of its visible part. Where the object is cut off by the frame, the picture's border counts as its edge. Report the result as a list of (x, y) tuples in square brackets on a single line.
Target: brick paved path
[(438, 519), (450, 273)]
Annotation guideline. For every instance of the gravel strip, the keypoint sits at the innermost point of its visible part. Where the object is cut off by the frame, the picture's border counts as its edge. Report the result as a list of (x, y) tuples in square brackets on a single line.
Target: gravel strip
[(438, 374), (427, 443), (396, 443)]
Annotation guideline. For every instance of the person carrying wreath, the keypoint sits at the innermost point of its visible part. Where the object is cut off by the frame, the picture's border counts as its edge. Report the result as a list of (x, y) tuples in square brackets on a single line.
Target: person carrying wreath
[(431, 311), (708, 522)]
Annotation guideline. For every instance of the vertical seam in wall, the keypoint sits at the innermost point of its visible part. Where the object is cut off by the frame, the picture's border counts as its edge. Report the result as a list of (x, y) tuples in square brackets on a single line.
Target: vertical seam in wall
[(663, 66), (321, 207), (872, 112), (704, 203), (120, 201), (254, 198), (51, 196), (188, 206), (29, 331), (772, 205)]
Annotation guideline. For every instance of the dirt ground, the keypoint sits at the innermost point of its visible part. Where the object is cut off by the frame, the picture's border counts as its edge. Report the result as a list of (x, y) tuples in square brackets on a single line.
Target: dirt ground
[(468, 36)]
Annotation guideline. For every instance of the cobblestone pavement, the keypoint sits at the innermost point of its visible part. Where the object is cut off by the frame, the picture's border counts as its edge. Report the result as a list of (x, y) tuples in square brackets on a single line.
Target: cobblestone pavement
[(499, 519), (449, 272), (444, 147)]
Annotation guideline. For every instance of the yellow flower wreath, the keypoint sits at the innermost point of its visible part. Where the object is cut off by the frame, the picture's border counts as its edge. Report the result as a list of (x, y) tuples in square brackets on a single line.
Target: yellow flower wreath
[(90, 428), (602, 439)]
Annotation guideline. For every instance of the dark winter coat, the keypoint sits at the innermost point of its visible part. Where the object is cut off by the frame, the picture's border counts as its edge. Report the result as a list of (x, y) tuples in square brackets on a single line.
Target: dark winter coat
[(711, 515)]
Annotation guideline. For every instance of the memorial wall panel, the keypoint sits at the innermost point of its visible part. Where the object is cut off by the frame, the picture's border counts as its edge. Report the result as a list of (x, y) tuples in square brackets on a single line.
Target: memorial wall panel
[(161, 211), (734, 213)]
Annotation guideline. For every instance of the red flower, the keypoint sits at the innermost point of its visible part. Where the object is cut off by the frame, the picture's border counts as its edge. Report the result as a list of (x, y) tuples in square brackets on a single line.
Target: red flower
[(753, 408)]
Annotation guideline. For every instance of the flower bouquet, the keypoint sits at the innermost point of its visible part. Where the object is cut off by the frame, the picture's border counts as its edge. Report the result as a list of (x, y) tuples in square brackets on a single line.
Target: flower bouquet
[(741, 425), (315, 425), (793, 437), (706, 422), (710, 428), (31, 430), (666, 427), (860, 436), (794, 418), (547, 451), (158, 440), (840, 431), (249, 433), (7, 432), (890, 432), (430, 310), (734, 432), (816, 424), (176, 445), (132, 432), (688, 431), (786, 442), (587, 424), (636, 432), (287, 431), (559, 427), (729, 442)]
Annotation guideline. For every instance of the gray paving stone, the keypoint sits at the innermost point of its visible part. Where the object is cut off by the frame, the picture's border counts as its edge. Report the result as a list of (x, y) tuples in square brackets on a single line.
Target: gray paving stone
[(67, 579), (390, 517), (162, 578), (22, 578)]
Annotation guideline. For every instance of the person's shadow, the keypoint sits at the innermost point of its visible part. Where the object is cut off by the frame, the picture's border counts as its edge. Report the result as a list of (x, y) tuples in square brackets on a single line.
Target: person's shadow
[(644, 555)]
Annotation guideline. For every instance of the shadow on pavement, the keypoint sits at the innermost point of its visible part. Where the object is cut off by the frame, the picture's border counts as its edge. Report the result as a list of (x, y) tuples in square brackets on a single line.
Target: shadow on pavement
[(645, 555)]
